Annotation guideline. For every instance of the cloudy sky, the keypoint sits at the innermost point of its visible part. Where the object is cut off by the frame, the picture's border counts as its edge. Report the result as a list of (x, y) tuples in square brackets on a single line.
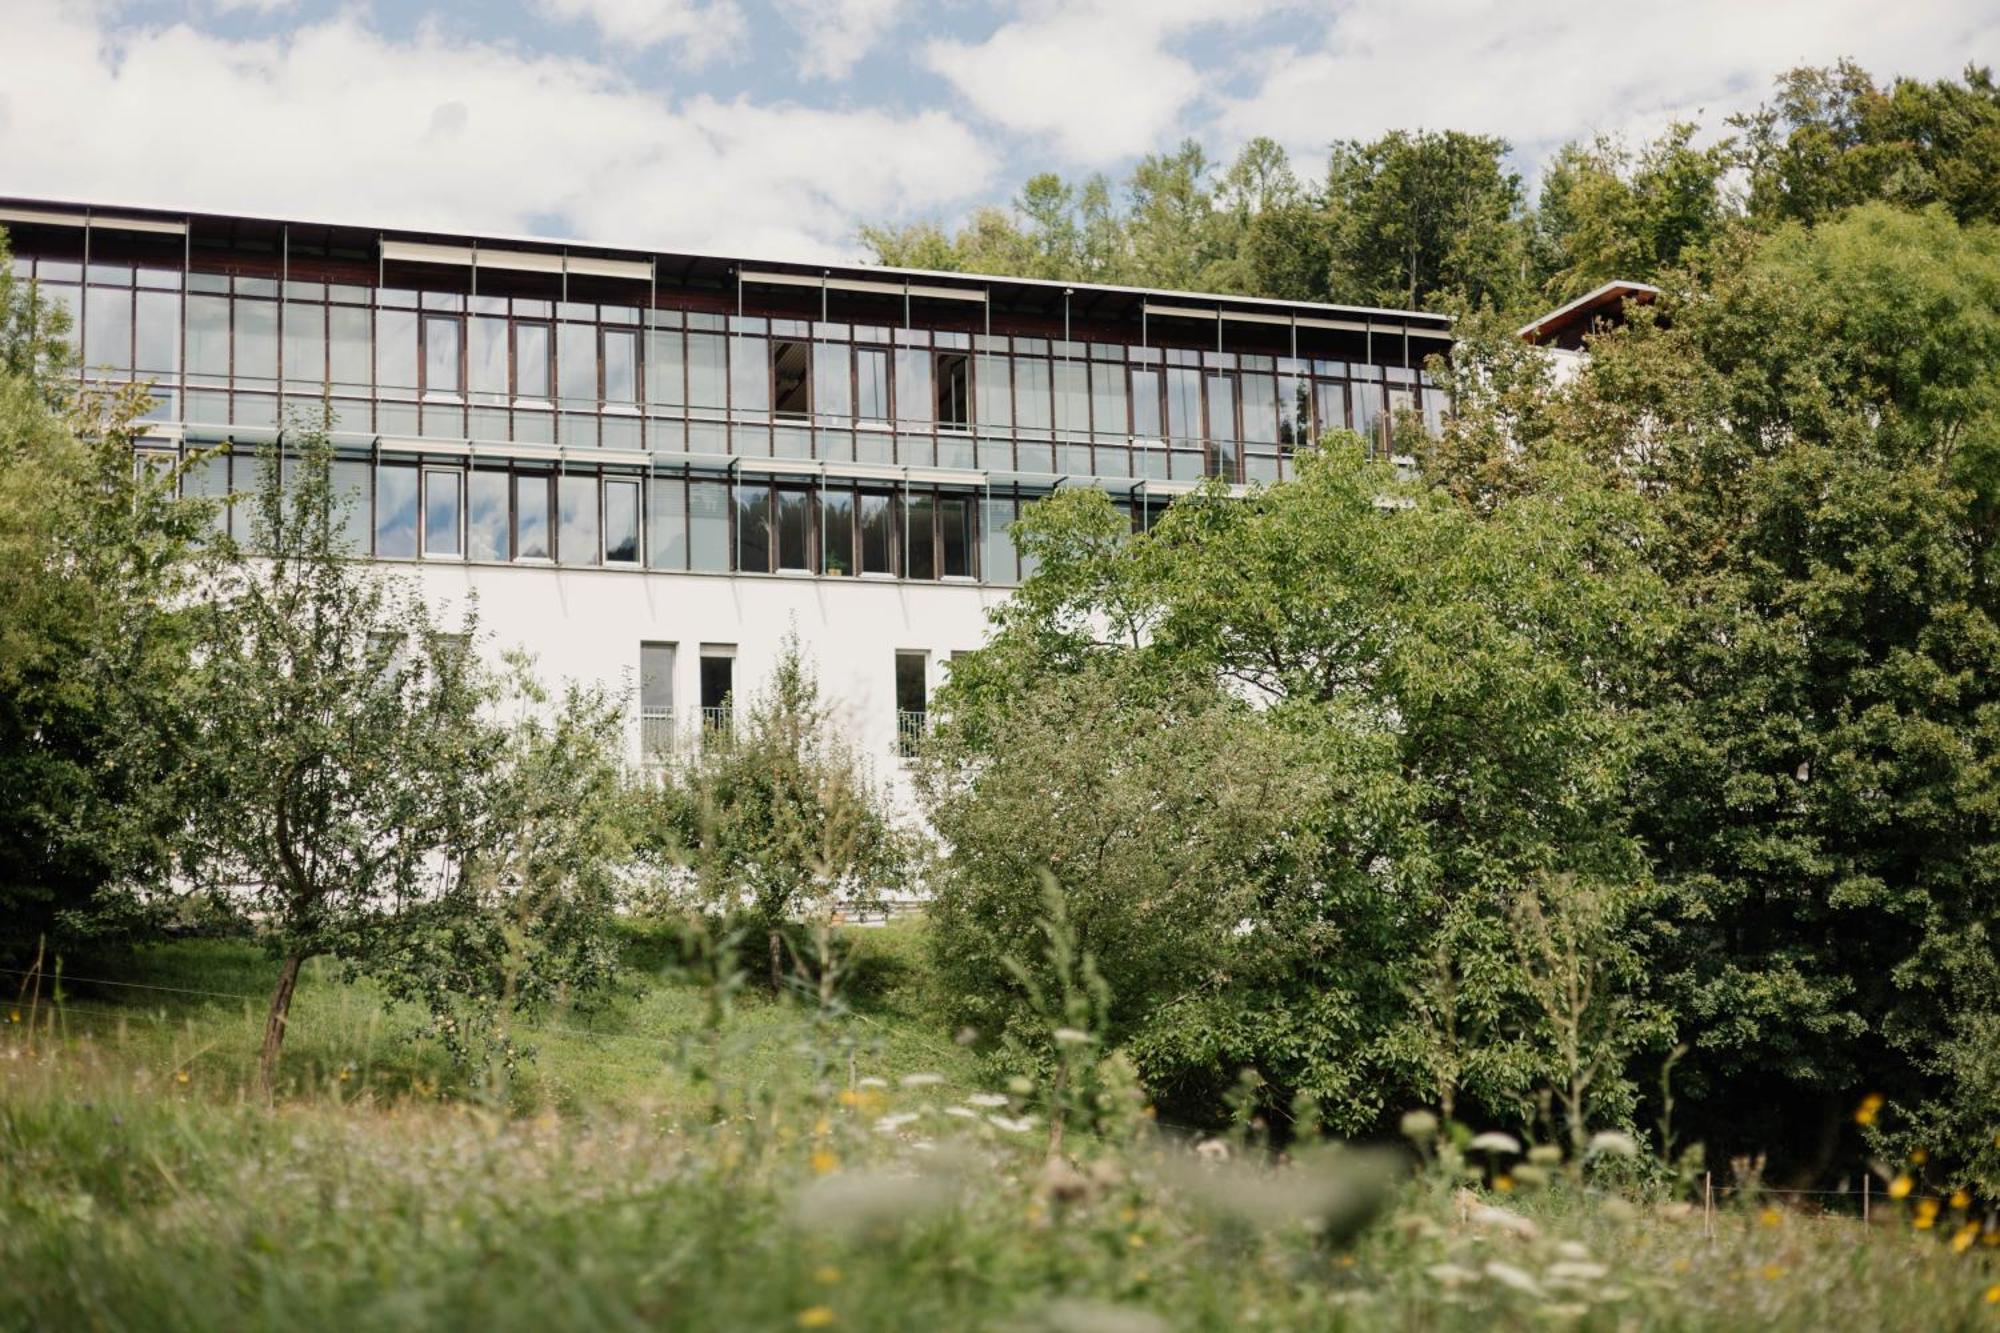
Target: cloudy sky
[(772, 128)]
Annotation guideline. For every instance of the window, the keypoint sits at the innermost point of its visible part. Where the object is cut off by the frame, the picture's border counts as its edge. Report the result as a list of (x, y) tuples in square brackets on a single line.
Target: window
[(305, 344), (396, 350), (914, 400), (576, 365), (1183, 403), (441, 512), (836, 522), (621, 522), (442, 374), (208, 335), (954, 389), (531, 517), (348, 351), (486, 515), (718, 685), (1073, 397), (791, 390), (794, 529), (708, 374), (1260, 409), (656, 701), (349, 478), (1031, 391), (833, 387), (997, 556), (621, 367), (708, 525), (753, 527), (396, 510), (666, 524), (576, 530), (665, 373), (871, 383), (256, 340), (878, 534), (955, 536), (996, 393), (531, 361), (918, 530), (1107, 397), (1330, 406), (1222, 426), (912, 701), (486, 356), (1146, 404), (107, 328), (208, 478)]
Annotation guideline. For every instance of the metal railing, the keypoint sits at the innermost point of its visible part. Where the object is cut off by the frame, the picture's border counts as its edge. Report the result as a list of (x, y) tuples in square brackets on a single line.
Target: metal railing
[(656, 735), (910, 725), (717, 721)]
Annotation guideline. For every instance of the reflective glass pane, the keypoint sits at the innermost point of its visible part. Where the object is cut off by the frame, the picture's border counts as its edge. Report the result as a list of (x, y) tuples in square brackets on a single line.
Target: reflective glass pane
[(836, 521), (486, 516), (913, 384), (256, 340), (486, 356), (708, 525), (750, 374), (531, 361), (753, 527), (1107, 397), (442, 372), (576, 364), (158, 340), (208, 335), (794, 530), (665, 374), (305, 343), (396, 350), (441, 512), (833, 394), (621, 522), (349, 477), (1146, 404), (995, 383), (871, 383), (576, 534), (1031, 393), (666, 523), (1072, 392), (955, 536), (621, 369), (107, 327), (1183, 403), (348, 353), (531, 518), (878, 534), (919, 541), (707, 367), (996, 556), (1260, 409), (396, 509)]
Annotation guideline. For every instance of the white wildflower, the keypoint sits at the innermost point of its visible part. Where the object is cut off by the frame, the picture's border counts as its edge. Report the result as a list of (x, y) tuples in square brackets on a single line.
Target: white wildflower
[(1611, 1143), (922, 1080), (1494, 1140), (1011, 1124), (1509, 1276), (1071, 1037), (987, 1099)]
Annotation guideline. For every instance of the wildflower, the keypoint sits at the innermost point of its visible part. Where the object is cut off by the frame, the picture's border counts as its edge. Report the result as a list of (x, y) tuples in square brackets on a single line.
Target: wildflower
[(1012, 1124), (1960, 1200), (1962, 1241), (1926, 1218), (1504, 1184), (1419, 1126), (962, 1112), (1900, 1187), (1136, 1241), (823, 1162), (1612, 1143), (1993, 1294), (1770, 1217), (180, 1076), (1071, 1037), (826, 1275), (1495, 1141), (889, 1124), (1772, 1272), (1509, 1276), (1545, 1154), (1918, 1156), (816, 1316), (989, 1100), (13, 1015), (1529, 1176), (1571, 1272), (1871, 1106), (871, 1082), (922, 1080)]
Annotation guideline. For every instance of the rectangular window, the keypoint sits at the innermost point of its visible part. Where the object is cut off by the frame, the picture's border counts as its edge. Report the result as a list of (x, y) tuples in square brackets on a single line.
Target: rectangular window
[(790, 387), (1073, 397), (107, 327), (718, 685), (753, 527), (621, 522), (1146, 404), (531, 517), (1031, 393), (256, 340), (920, 542), (396, 510), (753, 367), (621, 368), (1183, 403), (1294, 410), (995, 387), (576, 530), (531, 361), (348, 350), (878, 534), (836, 521), (349, 478), (576, 365), (486, 356), (794, 529), (1222, 431), (1107, 398), (914, 400), (996, 557), (1329, 406), (1260, 409), (208, 335), (1367, 410), (955, 536), (442, 373), (656, 700), (912, 700), (666, 523), (871, 383), (486, 515), (665, 374), (708, 371), (396, 349), (833, 390), (305, 344), (708, 525), (157, 345), (442, 512), (954, 389)]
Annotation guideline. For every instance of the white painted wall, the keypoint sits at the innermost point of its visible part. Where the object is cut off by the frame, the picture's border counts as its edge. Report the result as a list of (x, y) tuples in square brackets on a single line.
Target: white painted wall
[(587, 625)]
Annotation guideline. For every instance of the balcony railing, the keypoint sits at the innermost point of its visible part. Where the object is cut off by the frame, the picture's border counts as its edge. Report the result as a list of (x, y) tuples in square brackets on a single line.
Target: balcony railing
[(717, 721), (656, 735), (910, 724)]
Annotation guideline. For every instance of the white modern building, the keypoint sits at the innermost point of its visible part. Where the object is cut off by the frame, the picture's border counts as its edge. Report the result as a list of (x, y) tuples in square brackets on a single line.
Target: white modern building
[(651, 466)]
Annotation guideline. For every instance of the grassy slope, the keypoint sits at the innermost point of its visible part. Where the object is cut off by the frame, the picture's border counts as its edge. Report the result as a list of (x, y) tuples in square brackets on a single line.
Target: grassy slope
[(636, 1196)]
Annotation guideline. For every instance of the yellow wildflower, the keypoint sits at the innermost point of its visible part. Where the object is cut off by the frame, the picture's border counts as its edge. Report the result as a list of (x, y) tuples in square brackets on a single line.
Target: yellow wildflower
[(1920, 1155), (1899, 1187), (1136, 1241), (1962, 1241), (1993, 1294), (822, 1162), (1871, 1106), (816, 1316), (826, 1274), (1770, 1217), (1961, 1200), (1772, 1272), (1926, 1218), (180, 1076), (1505, 1184)]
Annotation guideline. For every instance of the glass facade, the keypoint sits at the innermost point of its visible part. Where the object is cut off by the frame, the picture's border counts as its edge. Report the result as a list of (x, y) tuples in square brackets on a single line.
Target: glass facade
[(631, 429)]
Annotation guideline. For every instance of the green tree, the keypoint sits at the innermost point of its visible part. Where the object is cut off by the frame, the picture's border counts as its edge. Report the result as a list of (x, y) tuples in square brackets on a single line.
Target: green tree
[(96, 561), (346, 760), (1419, 217), (774, 818)]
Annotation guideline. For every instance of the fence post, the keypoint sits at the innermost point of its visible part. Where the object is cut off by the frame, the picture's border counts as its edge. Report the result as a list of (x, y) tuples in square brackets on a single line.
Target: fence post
[(1708, 1204), (1865, 1184)]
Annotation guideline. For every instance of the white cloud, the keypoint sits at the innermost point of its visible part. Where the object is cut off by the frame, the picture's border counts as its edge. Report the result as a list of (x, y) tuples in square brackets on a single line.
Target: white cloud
[(1095, 77), (1539, 75), (338, 122), (838, 33), (253, 6), (704, 29)]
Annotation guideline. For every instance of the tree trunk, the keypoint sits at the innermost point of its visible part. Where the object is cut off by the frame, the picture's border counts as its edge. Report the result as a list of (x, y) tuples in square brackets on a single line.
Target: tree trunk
[(274, 1023), (777, 962)]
